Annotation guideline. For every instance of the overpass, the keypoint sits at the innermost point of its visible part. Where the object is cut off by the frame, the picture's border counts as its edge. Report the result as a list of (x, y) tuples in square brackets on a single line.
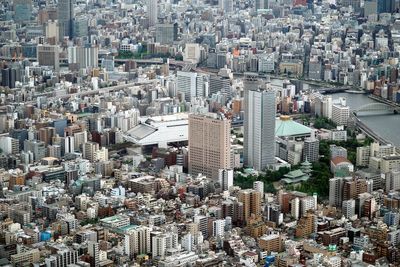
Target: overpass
[(332, 90), (385, 101), (376, 109), (150, 61), (91, 92), (367, 131)]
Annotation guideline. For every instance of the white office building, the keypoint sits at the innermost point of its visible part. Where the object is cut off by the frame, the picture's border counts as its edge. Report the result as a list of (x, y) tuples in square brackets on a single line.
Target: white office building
[(340, 112), (259, 186), (152, 12), (259, 123), (392, 181), (349, 208), (218, 228), (192, 84), (137, 241)]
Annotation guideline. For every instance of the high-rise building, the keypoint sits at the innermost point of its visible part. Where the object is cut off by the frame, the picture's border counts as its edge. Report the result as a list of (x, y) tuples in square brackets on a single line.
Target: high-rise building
[(259, 124), (218, 227), (272, 212), (8, 77), (137, 241), (152, 12), (25, 257), (337, 151), (89, 150), (307, 203), (68, 145), (392, 181), (192, 52), (21, 135), (251, 200), (225, 178), (386, 6), (259, 186), (94, 252), (340, 112), (22, 10), (391, 218), (46, 135), (38, 148), (311, 149), (349, 208), (52, 31), (220, 84), (166, 33), (209, 144), (49, 55), (86, 57), (353, 187), (378, 6), (192, 84), (306, 225), (355, 4), (295, 208), (80, 26), (66, 16), (63, 257), (335, 191), (226, 5), (161, 242), (261, 4), (200, 224)]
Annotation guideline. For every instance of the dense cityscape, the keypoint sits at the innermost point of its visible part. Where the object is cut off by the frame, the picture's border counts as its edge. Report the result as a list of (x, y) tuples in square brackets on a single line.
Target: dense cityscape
[(179, 133)]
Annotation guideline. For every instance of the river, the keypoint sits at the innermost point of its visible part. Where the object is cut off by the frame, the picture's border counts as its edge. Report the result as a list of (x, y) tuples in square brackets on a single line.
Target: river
[(387, 126)]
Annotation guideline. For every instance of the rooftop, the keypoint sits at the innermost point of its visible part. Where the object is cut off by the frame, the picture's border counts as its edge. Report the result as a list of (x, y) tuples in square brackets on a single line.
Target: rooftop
[(295, 176), (160, 130), (338, 160), (285, 126), (114, 218)]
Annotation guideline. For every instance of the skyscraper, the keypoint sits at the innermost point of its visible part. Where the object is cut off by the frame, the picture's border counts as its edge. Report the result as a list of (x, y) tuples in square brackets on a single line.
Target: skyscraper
[(261, 4), (23, 10), (226, 5), (192, 84), (225, 178), (152, 11), (251, 200), (348, 208), (335, 191), (386, 6), (86, 57), (259, 123), (166, 33), (65, 16), (137, 241), (68, 145), (94, 252), (218, 227), (48, 55), (311, 148), (209, 144)]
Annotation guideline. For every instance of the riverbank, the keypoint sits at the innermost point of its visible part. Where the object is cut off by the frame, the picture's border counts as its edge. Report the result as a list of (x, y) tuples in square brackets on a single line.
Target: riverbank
[(384, 125)]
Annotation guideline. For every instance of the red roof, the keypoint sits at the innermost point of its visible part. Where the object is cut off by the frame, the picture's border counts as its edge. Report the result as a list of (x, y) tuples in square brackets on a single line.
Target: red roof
[(299, 2), (338, 160)]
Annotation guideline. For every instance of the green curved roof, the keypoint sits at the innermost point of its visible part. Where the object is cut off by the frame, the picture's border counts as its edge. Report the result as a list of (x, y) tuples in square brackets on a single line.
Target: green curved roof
[(288, 127)]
